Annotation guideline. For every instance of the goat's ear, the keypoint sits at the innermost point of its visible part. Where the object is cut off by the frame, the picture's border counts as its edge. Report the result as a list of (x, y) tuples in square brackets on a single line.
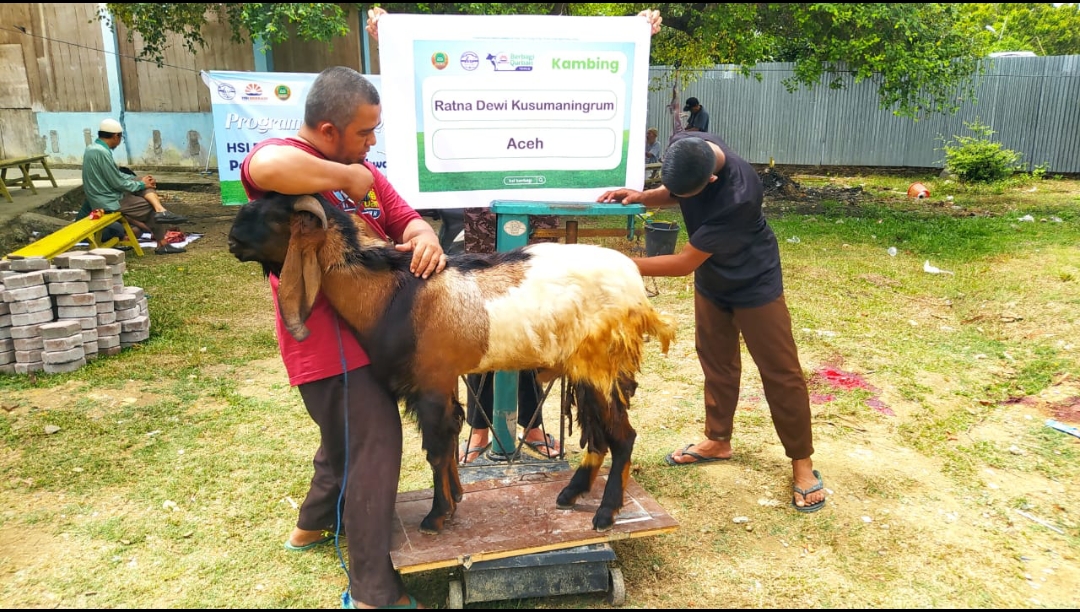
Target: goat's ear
[(300, 279)]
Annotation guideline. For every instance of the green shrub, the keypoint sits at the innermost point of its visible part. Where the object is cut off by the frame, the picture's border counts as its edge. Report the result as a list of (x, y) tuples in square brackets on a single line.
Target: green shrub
[(979, 159)]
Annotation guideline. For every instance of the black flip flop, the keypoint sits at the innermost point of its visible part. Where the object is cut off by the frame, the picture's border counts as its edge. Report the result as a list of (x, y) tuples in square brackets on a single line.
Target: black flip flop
[(670, 459)]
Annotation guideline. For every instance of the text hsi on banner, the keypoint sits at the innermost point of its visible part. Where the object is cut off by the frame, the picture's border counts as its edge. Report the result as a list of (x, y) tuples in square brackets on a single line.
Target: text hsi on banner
[(249, 107)]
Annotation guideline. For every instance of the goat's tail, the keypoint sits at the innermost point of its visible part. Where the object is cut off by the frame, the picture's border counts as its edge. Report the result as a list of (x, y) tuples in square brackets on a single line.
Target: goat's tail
[(661, 327)]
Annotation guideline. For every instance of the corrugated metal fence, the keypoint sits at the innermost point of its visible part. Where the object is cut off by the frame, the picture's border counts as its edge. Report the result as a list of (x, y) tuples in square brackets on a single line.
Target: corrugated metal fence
[(1032, 103)]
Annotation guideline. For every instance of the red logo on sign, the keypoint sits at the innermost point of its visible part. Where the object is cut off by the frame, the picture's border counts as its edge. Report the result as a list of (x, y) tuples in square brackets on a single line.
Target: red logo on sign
[(253, 89)]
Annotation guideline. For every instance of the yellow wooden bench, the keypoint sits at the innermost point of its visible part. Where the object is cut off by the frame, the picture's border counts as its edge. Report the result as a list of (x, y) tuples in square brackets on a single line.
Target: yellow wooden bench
[(87, 229), (26, 181)]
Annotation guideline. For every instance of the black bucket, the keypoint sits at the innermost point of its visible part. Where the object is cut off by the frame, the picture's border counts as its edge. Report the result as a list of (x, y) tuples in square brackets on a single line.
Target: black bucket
[(660, 238)]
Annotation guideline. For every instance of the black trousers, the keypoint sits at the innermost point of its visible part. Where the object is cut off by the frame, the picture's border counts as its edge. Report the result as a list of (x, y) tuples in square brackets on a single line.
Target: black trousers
[(373, 448), (528, 399)]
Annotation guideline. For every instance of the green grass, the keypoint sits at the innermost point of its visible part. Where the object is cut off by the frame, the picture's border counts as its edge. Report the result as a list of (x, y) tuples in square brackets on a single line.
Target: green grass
[(201, 415)]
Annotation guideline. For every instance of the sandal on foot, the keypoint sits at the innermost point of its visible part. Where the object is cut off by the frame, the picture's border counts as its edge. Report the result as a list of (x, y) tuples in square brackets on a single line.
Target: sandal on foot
[(463, 454), (291, 547), (545, 447), (670, 459), (347, 603), (809, 507)]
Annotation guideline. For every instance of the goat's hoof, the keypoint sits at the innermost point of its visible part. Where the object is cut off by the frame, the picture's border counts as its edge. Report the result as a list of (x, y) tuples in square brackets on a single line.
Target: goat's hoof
[(431, 526), (603, 520), (566, 499)]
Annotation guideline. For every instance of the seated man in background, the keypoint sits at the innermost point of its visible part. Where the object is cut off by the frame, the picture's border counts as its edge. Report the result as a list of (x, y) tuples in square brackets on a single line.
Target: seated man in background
[(652, 146), (108, 189)]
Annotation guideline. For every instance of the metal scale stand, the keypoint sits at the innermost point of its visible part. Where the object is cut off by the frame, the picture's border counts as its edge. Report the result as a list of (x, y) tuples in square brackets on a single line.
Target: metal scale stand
[(580, 569)]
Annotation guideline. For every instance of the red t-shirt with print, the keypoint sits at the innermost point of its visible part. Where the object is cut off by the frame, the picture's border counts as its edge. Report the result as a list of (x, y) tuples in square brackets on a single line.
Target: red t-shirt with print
[(319, 356)]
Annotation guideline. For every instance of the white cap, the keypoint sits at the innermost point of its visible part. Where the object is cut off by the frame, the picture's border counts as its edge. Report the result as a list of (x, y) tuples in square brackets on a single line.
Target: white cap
[(111, 126)]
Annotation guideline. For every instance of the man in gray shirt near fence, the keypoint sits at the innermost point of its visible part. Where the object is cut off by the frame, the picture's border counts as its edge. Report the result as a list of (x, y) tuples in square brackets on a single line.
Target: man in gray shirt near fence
[(699, 119)]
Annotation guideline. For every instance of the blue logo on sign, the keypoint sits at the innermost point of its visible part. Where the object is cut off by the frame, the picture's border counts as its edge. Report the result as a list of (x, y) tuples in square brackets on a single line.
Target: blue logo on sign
[(226, 91), (470, 60)]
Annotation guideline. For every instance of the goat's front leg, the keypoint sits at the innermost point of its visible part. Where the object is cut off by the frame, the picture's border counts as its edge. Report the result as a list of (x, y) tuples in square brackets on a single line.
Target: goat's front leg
[(438, 435)]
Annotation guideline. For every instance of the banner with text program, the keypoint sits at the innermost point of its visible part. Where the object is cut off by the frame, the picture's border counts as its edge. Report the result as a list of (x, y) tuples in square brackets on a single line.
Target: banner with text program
[(478, 108), (250, 107)]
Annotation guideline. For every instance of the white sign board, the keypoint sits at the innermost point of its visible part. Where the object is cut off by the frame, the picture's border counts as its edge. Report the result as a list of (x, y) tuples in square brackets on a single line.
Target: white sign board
[(480, 108)]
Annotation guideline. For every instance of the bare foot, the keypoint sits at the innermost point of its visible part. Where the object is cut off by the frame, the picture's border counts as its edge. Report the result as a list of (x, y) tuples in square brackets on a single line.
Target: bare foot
[(803, 475), (709, 449)]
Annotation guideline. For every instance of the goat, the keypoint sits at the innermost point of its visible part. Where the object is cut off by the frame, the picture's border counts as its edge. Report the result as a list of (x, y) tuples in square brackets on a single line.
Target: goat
[(578, 311)]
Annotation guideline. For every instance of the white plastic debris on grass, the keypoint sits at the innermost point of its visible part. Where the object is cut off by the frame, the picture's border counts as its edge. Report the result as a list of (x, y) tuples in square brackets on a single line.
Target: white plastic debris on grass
[(821, 332), (1027, 219), (794, 240), (933, 270), (892, 251)]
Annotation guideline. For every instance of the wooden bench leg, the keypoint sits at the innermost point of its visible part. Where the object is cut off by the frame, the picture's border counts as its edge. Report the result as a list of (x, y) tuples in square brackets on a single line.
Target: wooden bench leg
[(3, 186), (133, 242), (27, 181), (45, 164)]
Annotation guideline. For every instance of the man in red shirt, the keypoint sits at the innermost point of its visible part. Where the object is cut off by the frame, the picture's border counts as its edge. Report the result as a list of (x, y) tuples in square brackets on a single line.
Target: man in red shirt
[(359, 422)]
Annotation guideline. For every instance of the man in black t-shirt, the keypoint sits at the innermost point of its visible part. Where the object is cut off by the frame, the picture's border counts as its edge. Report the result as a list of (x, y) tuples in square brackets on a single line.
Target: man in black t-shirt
[(738, 289)]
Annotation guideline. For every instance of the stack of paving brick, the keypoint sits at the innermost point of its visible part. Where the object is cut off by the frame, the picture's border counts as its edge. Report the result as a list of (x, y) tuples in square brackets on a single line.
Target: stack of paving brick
[(27, 299), (80, 289), (7, 345), (63, 347)]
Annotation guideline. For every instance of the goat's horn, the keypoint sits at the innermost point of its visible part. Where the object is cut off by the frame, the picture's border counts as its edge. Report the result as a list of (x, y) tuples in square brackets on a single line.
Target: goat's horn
[(311, 205)]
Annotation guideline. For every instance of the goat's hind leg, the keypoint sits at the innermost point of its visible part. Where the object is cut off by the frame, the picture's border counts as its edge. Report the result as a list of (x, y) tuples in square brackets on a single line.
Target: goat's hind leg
[(458, 416), (582, 480), (621, 439), (589, 417), (439, 434)]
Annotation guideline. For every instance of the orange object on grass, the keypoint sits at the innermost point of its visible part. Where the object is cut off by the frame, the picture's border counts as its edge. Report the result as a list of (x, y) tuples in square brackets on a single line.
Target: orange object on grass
[(918, 190)]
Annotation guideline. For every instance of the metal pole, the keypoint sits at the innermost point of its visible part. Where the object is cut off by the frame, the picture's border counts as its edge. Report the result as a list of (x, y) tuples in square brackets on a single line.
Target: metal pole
[(365, 42), (206, 169)]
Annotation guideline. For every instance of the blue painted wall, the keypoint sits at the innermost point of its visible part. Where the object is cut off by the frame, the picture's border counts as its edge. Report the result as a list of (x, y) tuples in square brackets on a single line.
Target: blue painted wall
[(150, 139)]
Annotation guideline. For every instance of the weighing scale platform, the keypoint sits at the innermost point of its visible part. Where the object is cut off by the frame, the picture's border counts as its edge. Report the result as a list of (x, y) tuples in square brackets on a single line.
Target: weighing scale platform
[(515, 516), (505, 532)]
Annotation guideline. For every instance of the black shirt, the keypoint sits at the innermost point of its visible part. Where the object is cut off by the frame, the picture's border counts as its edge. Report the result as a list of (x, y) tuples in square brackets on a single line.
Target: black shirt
[(726, 220)]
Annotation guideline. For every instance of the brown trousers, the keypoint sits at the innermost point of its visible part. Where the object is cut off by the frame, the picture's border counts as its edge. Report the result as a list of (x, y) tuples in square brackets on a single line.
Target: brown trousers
[(135, 207), (374, 465), (767, 333)]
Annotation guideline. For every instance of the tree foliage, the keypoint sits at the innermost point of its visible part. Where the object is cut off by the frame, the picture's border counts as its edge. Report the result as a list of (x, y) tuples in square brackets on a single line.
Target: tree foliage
[(1043, 28), (920, 55), (270, 22)]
